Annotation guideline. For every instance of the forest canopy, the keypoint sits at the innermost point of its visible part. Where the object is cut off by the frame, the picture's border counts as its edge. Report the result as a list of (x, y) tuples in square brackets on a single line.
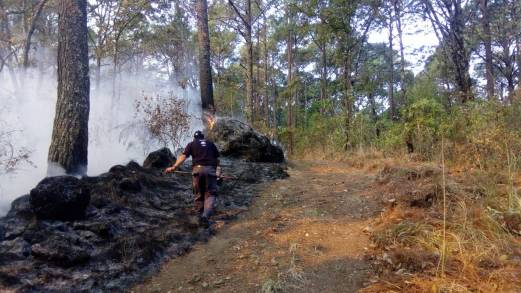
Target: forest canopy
[(304, 72)]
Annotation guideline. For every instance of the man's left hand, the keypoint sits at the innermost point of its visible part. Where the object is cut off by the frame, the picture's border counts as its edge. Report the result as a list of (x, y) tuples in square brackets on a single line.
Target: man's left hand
[(170, 169)]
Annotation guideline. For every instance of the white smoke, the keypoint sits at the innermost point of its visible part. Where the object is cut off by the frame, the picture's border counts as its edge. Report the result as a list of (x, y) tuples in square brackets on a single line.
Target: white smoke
[(116, 136)]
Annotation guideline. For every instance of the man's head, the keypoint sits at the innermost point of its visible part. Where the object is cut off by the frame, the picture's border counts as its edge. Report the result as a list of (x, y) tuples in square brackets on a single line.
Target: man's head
[(198, 135)]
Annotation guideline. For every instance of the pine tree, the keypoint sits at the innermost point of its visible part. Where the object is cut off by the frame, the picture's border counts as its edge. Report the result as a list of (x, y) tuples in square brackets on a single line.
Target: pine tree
[(70, 133)]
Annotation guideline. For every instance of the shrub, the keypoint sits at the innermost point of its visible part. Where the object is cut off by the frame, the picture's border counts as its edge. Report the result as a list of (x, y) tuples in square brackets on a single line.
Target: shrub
[(11, 155), (166, 119)]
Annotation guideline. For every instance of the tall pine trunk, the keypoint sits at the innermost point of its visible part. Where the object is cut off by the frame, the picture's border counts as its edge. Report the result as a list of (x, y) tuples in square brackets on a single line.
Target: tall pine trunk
[(205, 67), (348, 99), (266, 74), (390, 86), (487, 41), (98, 73), (290, 92), (249, 61), (460, 55), (398, 14), (256, 84), (70, 133), (323, 78), (518, 59)]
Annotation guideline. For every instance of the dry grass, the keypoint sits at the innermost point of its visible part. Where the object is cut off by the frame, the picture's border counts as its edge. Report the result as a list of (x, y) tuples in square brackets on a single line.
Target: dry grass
[(482, 242)]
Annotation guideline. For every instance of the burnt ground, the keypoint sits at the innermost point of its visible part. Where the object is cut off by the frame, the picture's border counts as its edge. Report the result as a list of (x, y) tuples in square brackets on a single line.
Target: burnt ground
[(308, 233), (136, 220)]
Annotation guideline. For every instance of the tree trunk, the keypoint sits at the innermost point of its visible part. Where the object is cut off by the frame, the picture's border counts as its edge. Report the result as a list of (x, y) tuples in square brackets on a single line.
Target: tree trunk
[(275, 109), (487, 41), (460, 55), (249, 61), (518, 59), (348, 99), (98, 73), (30, 33), (70, 133), (390, 86), (290, 90), (323, 77), (451, 35), (398, 14), (205, 67), (374, 115), (247, 21), (115, 58), (509, 71), (257, 77), (11, 52), (266, 75)]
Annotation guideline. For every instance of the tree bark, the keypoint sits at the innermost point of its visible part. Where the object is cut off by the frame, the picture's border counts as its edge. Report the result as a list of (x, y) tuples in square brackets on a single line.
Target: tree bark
[(256, 84), (30, 33), (451, 35), (290, 94), (390, 86), (374, 115), (275, 109), (323, 77), (398, 14), (508, 70), (205, 67), (266, 74), (348, 99), (518, 59), (247, 21), (249, 61), (460, 55), (70, 133), (98, 73), (10, 51), (487, 41)]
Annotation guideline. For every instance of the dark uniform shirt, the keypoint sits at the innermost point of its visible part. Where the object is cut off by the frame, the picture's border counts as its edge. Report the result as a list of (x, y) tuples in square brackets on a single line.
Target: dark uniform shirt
[(203, 152)]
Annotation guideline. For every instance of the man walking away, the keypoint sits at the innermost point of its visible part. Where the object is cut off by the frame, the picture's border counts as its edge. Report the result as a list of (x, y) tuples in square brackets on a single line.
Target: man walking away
[(205, 170)]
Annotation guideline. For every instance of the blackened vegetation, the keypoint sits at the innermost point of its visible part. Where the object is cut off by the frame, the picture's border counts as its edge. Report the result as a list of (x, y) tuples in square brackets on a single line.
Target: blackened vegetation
[(162, 158), (60, 198), (136, 219)]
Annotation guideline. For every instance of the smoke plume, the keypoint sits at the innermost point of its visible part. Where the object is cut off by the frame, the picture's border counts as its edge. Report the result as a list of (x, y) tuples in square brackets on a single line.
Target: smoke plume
[(116, 134)]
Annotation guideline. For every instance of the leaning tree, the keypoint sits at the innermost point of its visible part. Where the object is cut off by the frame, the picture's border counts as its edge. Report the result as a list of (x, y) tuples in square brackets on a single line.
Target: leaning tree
[(70, 133)]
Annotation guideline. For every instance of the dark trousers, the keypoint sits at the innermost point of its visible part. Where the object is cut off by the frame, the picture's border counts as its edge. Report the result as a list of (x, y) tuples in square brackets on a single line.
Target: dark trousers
[(204, 185)]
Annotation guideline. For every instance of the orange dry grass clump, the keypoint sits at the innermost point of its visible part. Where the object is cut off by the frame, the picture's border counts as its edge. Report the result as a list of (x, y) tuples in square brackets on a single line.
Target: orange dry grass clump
[(482, 254)]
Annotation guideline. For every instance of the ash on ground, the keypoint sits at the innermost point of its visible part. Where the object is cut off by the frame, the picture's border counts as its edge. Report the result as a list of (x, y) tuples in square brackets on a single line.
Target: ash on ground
[(136, 218)]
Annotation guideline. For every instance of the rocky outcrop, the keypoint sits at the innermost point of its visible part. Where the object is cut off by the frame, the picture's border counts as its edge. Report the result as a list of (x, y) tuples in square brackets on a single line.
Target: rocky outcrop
[(136, 219), (60, 198), (160, 159), (238, 140)]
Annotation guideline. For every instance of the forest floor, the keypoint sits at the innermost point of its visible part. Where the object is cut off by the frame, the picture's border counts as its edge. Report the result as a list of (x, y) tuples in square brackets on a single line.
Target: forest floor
[(304, 232), (326, 229)]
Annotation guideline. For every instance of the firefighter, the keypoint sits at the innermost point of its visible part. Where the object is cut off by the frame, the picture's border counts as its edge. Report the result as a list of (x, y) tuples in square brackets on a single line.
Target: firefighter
[(205, 171)]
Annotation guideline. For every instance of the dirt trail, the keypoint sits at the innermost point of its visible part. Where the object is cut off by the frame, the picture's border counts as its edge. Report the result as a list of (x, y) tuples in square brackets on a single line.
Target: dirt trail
[(302, 234)]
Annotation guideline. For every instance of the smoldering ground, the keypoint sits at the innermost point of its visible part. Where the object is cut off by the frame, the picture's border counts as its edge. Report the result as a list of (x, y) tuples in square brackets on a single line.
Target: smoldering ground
[(116, 134)]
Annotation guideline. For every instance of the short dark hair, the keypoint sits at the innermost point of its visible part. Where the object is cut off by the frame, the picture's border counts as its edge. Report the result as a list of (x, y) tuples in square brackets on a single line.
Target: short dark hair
[(198, 135)]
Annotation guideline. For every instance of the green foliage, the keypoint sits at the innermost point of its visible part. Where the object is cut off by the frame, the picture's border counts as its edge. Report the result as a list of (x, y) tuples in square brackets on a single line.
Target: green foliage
[(393, 139), (321, 136), (422, 124)]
